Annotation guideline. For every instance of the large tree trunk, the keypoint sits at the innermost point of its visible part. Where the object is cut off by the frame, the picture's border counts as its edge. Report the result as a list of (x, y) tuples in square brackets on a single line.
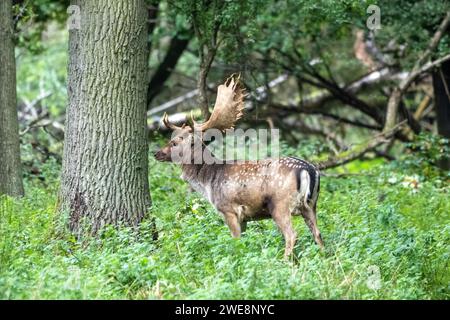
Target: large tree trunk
[(441, 86), (10, 167), (105, 163)]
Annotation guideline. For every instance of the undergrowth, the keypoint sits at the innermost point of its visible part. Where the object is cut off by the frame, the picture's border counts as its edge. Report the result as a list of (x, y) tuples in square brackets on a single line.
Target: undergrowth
[(386, 231)]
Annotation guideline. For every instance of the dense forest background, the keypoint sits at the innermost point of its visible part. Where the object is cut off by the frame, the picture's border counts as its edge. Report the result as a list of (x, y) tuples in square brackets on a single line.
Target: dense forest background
[(360, 88)]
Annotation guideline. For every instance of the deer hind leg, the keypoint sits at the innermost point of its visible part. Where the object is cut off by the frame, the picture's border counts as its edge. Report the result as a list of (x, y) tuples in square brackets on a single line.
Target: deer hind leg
[(309, 215), (282, 217)]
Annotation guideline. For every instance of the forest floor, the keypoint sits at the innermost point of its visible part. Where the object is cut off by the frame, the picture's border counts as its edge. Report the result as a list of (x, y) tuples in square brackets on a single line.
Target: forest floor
[(386, 231)]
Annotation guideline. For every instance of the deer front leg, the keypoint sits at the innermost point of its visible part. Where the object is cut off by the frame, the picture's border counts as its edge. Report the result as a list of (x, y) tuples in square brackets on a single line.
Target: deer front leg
[(233, 223)]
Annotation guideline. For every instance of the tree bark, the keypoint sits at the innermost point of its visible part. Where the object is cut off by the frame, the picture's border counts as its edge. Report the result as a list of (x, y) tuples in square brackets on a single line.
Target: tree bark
[(105, 162), (441, 87), (10, 167), (176, 48), (205, 66)]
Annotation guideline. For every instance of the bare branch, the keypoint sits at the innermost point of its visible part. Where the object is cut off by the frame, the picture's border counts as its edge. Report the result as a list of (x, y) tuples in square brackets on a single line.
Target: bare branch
[(258, 94), (302, 110), (361, 149), (434, 41), (35, 123), (421, 108), (397, 94)]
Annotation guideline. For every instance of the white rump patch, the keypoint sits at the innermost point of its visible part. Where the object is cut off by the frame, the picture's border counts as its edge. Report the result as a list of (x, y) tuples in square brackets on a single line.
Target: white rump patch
[(305, 181), (300, 199)]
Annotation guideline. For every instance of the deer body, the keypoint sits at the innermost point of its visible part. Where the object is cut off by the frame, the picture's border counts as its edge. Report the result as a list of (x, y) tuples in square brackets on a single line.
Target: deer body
[(250, 190), (254, 190)]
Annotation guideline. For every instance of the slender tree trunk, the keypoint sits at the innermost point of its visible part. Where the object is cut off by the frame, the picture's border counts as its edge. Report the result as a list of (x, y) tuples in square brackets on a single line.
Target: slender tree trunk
[(10, 167), (105, 163), (202, 86), (177, 46), (441, 86)]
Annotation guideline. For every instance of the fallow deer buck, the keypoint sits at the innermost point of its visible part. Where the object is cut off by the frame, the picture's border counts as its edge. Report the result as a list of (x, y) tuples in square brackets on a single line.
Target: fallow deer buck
[(249, 190)]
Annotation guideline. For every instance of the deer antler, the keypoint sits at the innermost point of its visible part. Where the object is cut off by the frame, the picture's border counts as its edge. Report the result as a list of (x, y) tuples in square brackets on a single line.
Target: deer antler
[(168, 124), (228, 108)]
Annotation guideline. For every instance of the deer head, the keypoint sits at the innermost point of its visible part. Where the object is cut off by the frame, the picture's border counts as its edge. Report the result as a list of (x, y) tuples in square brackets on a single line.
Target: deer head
[(228, 108)]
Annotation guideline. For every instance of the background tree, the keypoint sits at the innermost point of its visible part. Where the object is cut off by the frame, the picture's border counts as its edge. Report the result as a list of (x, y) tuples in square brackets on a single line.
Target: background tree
[(441, 85), (10, 166), (105, 165), (313, 69), (214, 23), (337, 75)]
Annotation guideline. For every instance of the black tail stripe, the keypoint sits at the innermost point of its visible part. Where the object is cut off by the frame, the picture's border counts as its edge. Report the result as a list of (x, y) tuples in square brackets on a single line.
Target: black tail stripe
[(312, 175)]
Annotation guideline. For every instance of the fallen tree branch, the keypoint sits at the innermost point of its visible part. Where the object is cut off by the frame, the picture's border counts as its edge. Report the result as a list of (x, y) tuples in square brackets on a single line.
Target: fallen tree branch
[(421, 108), (44, 121), (302, 127), (361, 149), (372, 78), (260, 92), (294, 109), (30, 106), (35, 123)]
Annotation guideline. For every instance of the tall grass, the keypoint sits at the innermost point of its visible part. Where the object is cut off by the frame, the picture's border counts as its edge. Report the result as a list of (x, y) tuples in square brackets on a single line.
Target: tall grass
[(370, 220)]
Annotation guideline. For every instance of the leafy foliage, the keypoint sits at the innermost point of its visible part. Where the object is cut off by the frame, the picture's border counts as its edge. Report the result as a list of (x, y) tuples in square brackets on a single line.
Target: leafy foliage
[(430, 149), (31, 19), (366, 220), (411, 24), (393, 216)]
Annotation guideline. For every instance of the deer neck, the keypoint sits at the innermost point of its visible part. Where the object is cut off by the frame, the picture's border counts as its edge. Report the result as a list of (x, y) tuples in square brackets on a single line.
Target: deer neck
[(199, 172), (201, 177)]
